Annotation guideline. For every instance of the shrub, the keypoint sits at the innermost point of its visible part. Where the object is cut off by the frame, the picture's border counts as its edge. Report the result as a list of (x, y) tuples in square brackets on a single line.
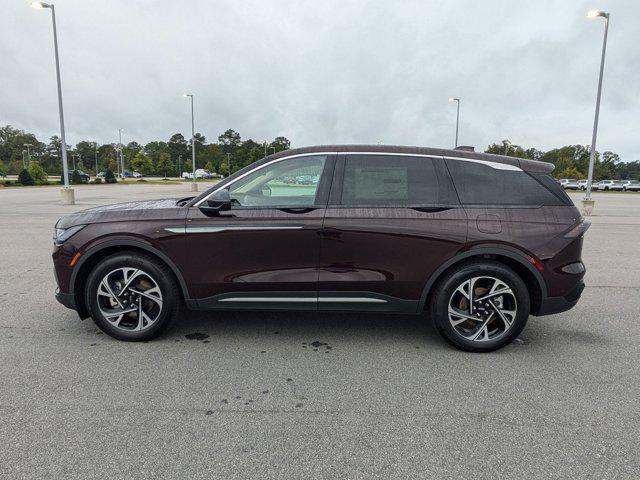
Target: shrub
[(37, 173), (109, 177), (97, 180), (25, 178), (76, 178)]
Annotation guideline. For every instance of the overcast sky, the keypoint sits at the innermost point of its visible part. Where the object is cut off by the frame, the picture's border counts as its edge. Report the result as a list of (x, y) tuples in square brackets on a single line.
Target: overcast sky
[(330, 71)]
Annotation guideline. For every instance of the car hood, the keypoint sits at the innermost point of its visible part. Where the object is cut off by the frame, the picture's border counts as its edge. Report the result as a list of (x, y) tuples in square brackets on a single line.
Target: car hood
[(129, 211)]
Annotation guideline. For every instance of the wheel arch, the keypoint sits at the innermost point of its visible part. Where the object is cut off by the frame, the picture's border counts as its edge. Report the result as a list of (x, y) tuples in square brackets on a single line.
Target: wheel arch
[(96, 253), (518, 262)]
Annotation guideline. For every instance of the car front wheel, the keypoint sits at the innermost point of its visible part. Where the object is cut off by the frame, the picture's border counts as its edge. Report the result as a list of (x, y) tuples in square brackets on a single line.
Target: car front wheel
[(480, 306), (132, 296)]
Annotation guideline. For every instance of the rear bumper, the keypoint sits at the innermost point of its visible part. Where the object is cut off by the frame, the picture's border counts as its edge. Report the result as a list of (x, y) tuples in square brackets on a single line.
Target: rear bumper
[(66, 299), (551, 305)]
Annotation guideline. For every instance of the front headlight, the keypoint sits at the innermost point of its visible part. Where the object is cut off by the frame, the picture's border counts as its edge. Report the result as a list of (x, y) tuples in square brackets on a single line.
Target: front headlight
[(63, 234)]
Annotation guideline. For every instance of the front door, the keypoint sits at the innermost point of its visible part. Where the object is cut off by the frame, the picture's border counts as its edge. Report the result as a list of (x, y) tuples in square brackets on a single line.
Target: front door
[(391, 221), (264, 252)]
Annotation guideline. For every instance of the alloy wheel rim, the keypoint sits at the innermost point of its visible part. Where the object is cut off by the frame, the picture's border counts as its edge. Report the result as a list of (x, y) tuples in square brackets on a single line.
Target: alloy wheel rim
[(129, 299), (482, 309)]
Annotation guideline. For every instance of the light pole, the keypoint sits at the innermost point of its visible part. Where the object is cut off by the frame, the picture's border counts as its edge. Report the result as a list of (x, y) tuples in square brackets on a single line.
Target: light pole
[(507, 144), (587, 203), (457, 100), (194, 186), (228, 164), (121, 166), (28, 152), (95, 145), (180, 165), (24, 160), (68, 197)]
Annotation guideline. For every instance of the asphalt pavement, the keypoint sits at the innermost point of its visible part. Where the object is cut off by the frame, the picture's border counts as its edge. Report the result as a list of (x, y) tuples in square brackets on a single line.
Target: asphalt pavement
[(292, 395)]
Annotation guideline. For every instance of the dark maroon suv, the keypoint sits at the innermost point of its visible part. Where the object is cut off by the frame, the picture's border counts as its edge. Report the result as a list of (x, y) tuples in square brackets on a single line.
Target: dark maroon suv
[(476, 242)]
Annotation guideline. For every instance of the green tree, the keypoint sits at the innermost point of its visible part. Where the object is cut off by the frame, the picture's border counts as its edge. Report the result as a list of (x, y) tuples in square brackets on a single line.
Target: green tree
[(280, 144), (571, 172), (230, 140), (76, 179), (141, 163), (164, 163), (24, 177), (178, 147), (37, 173)]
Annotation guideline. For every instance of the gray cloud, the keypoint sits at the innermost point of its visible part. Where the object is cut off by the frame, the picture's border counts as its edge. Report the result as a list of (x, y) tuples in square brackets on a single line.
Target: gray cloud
[(326, 72)]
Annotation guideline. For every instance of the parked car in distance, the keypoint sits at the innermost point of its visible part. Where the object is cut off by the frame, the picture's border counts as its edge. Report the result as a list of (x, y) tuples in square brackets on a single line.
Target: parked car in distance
[(135, 174), (610, 185), (447, 234), (569, 183), (100, 175), (582, 185), (126, 174), (84, 177), (631, 185)]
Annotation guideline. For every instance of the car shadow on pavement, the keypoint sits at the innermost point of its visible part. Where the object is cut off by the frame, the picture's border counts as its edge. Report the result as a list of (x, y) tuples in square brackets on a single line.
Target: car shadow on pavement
[(307, 325)]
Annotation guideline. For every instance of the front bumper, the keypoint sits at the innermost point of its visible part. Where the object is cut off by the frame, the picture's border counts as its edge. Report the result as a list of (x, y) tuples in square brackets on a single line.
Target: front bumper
[(66, 299), (551, 305)]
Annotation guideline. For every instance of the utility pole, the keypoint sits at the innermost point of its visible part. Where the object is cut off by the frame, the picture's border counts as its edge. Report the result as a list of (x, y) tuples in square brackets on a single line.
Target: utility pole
[(180, 165), (95, 144), (228, 164)]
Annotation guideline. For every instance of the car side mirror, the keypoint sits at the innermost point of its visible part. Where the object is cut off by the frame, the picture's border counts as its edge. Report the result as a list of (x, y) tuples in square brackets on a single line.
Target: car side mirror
[(220, 201)]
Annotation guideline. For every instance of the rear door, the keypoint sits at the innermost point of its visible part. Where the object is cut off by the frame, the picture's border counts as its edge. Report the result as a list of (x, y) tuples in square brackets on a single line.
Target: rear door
[(392, 220), (264, 252)]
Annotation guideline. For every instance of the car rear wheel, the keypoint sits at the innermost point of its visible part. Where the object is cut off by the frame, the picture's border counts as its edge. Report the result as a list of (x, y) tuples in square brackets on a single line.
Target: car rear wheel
[(132, 296), (480, 306)]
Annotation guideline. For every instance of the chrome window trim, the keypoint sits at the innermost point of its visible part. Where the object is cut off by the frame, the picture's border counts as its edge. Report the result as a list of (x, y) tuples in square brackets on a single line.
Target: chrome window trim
[(494, 165), (315, 154)]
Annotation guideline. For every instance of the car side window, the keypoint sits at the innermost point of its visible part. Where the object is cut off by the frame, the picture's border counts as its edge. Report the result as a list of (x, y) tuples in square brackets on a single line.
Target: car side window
[(395, 181), (287, 183), (480, 184)]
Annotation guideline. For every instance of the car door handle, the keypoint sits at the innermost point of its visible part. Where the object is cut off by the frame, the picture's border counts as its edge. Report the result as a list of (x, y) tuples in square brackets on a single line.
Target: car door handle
[(298, 210)]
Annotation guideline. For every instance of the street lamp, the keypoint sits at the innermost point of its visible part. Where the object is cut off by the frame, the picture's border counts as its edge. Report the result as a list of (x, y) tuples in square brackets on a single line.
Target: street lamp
[(457, 100), (28, 152), (587, 203), (95, 146), (68, 197), (121, 163), (194, 186)]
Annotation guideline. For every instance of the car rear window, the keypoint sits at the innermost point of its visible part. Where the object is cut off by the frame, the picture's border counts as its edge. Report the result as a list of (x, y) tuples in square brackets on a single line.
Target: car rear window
[(481, 184), (395, 180)]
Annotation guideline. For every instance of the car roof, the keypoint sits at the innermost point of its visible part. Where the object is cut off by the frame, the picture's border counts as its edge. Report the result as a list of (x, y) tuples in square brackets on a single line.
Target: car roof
[(524, 164)]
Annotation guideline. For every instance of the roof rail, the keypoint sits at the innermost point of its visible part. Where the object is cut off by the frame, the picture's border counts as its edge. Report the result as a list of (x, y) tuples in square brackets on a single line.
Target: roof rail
[(466, 148)]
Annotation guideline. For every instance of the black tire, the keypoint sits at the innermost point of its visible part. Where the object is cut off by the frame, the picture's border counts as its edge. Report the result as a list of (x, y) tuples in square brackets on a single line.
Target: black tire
[(161, 274), (446, 287)]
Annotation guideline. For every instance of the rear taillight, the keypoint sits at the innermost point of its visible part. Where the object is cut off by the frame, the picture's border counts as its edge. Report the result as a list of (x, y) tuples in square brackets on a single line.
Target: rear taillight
[(579, 229)]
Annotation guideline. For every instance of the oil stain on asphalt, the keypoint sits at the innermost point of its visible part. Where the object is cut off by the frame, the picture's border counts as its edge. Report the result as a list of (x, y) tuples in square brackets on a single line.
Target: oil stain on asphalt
[(317, 345)]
